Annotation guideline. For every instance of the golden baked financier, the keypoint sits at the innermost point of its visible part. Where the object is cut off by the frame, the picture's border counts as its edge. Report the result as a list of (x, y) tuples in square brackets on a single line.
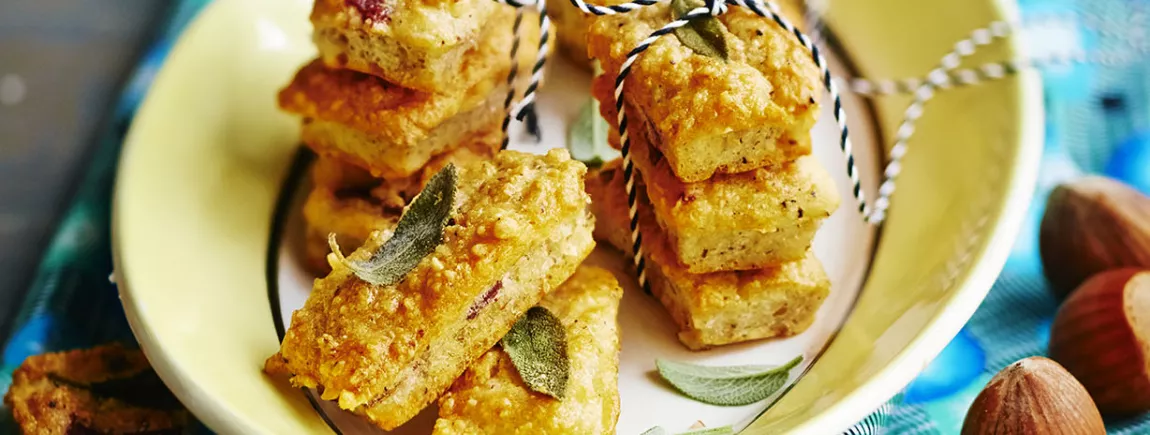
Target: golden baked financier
[(708, 115), (711, 309), (519, 228), (491, 398), (416, 44)]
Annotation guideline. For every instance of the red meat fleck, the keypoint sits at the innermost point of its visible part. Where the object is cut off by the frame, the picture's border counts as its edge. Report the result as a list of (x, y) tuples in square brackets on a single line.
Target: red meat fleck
[(373, 10), (484, 300)]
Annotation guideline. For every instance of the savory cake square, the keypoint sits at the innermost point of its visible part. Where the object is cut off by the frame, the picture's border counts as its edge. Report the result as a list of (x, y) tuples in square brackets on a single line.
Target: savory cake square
[(717, 308), (571, 25), (750, 220), (708, 115), (105, 389), (415, 44), (393, 131), (350, 203), (519, 228), (491, 398)]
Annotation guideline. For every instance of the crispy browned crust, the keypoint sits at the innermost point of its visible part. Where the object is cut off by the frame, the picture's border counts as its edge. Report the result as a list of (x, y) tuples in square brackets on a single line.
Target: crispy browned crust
[(387, 351), (705, 114), (414, 43), (350, 203), (755, 219), (571, 25), (490, 397), (393, 131), (106, 389), (717, 308), (371, 104)]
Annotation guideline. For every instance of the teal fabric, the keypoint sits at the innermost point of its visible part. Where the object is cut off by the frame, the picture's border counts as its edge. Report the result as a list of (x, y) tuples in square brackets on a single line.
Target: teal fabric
[(71, 303), (1098, 118), (1098, 121)]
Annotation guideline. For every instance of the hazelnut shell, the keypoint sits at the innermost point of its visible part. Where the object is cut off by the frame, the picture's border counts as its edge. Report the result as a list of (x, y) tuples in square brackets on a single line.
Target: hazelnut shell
[(1091, 225), (1033, 396), (1100, 336)]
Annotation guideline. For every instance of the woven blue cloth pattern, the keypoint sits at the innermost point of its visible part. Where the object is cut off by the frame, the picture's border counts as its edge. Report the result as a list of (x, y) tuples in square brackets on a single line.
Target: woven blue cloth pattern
[(71, 303), (1098, 115)]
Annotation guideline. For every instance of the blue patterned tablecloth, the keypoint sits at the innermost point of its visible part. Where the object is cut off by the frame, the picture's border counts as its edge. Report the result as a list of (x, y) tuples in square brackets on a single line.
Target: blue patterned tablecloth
[(1098, 121)]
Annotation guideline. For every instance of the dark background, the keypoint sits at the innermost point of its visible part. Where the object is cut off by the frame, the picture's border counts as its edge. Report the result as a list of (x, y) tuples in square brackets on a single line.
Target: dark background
[(62, 63)]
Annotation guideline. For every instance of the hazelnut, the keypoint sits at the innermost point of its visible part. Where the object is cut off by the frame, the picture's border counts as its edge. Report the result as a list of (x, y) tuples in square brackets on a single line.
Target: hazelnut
[(1100, 336), (1091, 225), (1033, 396)]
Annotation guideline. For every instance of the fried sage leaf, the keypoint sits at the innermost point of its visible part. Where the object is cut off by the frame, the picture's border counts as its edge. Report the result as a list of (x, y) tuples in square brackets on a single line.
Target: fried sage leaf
[(537, 345), (587, 138), (705, 35), (726, 386), (416, 235)]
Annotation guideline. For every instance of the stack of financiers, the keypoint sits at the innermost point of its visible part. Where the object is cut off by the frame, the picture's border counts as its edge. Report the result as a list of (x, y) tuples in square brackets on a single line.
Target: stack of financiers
[(729, 196), (400, 89), (406, 93)]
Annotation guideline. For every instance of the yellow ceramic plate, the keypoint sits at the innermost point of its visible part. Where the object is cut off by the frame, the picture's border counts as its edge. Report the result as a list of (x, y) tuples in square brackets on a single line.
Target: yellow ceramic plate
[(209, 155)]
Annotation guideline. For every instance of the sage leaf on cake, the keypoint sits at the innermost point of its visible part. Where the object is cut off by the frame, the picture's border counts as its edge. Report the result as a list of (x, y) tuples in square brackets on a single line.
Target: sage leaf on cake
[(705, 35), (537, 345), (587, 138), (726, 386), (417, 234)]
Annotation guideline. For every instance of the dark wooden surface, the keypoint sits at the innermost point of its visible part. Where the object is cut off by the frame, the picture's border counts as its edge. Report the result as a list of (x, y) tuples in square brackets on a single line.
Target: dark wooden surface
[(61, 65)]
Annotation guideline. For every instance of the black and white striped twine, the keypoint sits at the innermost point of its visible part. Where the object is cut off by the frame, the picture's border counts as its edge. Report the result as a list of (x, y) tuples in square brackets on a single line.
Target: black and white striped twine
[(511, 78), (525, 110), (946, 75), (923, 94), (711, 8)]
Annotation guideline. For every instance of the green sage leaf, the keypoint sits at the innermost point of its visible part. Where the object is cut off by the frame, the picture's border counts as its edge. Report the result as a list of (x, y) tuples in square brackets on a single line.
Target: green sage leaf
[(705, 35), (537, 345), (587, 138), (726, 386), (416, 235), (721, 430)]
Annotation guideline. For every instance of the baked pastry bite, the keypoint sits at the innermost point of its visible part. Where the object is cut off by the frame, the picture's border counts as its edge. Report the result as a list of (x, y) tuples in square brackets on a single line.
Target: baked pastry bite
[(708, 115), (105, 389), (415, 44), (348, 202), (519, 228), (491, 397), (571, 25), (393, 131), (750, 220), (717, 308)]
